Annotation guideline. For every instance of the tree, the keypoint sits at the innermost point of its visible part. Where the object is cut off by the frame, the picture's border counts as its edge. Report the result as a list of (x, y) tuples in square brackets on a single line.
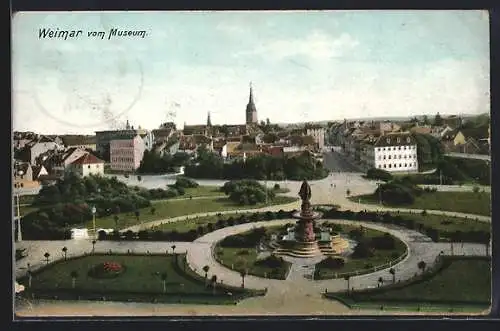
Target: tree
[(47, 255), (74, 276), (425, 120), (163, 277), (438, 120), (65, 251), (348, 192), (93, 245), (392, 271), (137, 214), (348, 279), (116, 219), (421, 265), (153, 210), (380, 281), (214, 283), (173, 249), (243, 274), (206, 269)]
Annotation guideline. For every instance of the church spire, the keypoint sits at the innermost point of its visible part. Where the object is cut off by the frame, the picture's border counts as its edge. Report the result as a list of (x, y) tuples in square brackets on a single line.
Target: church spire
[(209, 122), (250, 100), (251, 111)]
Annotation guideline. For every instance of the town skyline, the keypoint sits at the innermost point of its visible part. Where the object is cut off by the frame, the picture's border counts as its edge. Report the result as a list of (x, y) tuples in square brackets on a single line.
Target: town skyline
[(319, 66)]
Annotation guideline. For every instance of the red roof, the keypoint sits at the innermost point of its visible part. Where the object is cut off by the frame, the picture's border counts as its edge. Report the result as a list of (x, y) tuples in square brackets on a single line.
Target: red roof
[(87, 159)]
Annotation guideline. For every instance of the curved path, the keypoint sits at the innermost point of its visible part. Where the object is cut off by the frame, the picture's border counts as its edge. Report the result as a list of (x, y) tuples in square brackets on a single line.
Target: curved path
[(421, 248), (147, 225), (296, 295)]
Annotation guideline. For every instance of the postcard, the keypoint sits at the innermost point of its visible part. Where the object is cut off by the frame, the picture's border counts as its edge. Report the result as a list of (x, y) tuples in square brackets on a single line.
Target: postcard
[(251, 163)]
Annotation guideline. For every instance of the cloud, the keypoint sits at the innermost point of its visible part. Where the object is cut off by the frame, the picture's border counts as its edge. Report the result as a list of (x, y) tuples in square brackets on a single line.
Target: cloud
[(317, 45), (339, 90)]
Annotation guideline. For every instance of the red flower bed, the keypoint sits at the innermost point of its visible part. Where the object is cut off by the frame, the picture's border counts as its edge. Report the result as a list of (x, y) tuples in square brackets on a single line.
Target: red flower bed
[(112, 266), (108, 269)]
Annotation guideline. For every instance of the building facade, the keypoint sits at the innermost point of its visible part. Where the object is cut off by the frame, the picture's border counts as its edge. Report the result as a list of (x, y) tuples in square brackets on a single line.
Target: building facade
[(126, 153), (104, 138), (318, 134), (86, 165), (394, 153)]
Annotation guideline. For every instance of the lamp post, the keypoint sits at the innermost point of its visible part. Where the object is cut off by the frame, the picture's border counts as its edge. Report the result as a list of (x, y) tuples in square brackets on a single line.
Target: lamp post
[(379, 194), (93, 220), (18, 186)]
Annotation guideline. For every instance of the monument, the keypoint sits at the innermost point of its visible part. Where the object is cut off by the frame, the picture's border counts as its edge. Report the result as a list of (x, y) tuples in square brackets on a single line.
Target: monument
[(306, 239)]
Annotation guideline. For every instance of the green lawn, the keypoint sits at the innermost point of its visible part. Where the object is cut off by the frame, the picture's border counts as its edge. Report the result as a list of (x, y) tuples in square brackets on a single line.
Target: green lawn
[(140, 281), (245, 258), (463, 202), (201, 191), (448, 223), (193, 223), (351, 264), (460, 281), (172, 208)]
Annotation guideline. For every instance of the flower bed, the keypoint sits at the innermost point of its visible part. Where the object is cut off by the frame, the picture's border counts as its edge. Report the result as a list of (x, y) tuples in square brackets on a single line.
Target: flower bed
[(108, 269)]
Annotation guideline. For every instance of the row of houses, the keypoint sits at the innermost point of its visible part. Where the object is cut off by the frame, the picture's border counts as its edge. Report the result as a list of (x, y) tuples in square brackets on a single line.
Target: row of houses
[(46, 157), (392, 146)]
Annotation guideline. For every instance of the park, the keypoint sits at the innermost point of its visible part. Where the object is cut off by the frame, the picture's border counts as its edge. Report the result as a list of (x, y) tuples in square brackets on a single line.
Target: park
[(219, 248)]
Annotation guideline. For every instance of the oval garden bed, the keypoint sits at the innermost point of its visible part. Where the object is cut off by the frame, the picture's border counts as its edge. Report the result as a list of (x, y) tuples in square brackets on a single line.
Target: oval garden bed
[(106, 270)]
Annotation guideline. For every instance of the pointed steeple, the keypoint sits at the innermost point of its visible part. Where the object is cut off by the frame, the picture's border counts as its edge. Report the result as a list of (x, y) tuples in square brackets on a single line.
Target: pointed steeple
[(250, 100), (127, 126), (251, 111), (209, 122)]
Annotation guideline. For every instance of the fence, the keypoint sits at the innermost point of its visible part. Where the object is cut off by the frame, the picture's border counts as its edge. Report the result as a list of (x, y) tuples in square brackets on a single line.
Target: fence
[(371, 270)]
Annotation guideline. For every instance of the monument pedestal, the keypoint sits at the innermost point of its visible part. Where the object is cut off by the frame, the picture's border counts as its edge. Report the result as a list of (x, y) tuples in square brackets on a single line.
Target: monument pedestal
[(305, 245)]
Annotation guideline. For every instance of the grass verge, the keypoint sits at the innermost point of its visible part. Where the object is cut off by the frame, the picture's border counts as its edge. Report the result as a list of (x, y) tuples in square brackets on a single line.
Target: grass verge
[(462, 202), (141, 281), (173, 208), (456, 282)]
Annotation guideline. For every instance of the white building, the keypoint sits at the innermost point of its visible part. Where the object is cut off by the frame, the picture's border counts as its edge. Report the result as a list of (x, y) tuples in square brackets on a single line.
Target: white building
[(395, 152), (318, 133), (86, 165)]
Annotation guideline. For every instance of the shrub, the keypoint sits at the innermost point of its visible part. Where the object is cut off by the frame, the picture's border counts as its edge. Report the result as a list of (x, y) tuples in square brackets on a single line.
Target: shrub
[(396, 193), (185, 182), (379, 174), (385, 241), (102, 235), (272, 261), (277, 186), (171, 193), (362, 250), (332, 263), (356, 234)]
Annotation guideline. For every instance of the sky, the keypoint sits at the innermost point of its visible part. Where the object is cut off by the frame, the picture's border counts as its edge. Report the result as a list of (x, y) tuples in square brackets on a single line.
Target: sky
[(303, 66)]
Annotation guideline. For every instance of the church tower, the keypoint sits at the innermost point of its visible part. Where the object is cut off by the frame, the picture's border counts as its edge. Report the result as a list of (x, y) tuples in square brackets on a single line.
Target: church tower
[(209, 122), (251, 111)]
